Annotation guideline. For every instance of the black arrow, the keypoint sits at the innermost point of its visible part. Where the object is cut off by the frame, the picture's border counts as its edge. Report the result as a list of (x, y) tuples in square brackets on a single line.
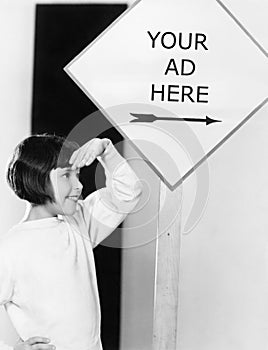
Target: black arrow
[(150, 118)]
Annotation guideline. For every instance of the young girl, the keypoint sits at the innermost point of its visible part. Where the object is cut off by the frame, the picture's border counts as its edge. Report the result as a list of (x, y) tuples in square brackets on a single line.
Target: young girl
[(47, 273)]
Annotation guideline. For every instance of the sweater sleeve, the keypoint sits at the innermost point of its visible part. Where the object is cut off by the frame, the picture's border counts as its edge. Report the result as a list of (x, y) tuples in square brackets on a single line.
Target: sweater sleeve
[(6, 286), (106, 208), (6, 278), (4, 346)]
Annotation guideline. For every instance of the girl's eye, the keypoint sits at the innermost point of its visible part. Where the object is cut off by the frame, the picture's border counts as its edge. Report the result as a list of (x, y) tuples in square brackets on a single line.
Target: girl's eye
[(67, 175)]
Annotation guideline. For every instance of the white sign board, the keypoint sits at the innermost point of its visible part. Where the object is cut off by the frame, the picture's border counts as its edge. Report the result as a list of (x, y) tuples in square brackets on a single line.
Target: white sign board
[(179, 68)]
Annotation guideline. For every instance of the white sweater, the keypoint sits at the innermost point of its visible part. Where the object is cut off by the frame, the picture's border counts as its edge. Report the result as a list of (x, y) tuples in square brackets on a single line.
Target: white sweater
[(47, 273)]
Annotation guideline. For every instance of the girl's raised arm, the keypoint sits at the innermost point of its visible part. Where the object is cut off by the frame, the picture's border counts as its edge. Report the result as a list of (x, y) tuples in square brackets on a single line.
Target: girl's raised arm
[(105, 209)]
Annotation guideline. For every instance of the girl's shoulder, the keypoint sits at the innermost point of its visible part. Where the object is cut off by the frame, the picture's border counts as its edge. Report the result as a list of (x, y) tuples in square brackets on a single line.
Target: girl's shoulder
[(6, 243), (24, 232)]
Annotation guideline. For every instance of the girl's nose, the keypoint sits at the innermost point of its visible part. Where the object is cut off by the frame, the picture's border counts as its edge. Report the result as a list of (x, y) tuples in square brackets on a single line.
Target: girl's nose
[(78, 185)]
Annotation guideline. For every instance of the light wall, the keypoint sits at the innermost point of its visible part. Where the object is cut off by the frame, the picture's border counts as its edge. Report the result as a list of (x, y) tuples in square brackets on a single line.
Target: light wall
[(224, 270)]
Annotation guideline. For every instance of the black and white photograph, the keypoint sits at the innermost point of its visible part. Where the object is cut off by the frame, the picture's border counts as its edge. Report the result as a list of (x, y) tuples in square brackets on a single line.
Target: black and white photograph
[(134, 175)]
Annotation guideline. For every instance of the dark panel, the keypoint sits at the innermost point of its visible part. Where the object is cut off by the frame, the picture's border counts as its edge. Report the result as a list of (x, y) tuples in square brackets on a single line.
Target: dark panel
[(61, 32)]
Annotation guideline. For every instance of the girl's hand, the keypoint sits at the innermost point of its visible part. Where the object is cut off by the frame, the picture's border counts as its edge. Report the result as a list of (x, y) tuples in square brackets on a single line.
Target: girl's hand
[(35, 343), (86, 154)]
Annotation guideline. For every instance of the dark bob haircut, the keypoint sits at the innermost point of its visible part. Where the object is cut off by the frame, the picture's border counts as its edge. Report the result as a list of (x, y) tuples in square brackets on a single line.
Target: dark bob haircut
[(30, 166)]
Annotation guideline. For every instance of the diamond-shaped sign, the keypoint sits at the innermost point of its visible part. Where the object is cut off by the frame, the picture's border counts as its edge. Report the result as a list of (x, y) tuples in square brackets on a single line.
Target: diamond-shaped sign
[(192, 59)]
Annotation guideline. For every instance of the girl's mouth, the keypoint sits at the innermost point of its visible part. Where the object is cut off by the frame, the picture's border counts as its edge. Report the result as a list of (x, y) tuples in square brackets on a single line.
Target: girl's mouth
[(73, 198)]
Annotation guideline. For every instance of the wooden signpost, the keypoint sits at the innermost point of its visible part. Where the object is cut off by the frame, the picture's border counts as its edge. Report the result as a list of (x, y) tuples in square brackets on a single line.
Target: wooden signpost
[(166, 295)]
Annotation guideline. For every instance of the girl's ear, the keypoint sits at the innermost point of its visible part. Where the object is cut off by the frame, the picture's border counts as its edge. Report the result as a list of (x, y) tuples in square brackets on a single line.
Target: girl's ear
[(52, 184)]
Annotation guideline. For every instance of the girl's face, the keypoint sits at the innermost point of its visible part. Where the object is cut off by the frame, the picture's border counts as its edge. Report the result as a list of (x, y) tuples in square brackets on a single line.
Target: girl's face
[(67, 189)]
